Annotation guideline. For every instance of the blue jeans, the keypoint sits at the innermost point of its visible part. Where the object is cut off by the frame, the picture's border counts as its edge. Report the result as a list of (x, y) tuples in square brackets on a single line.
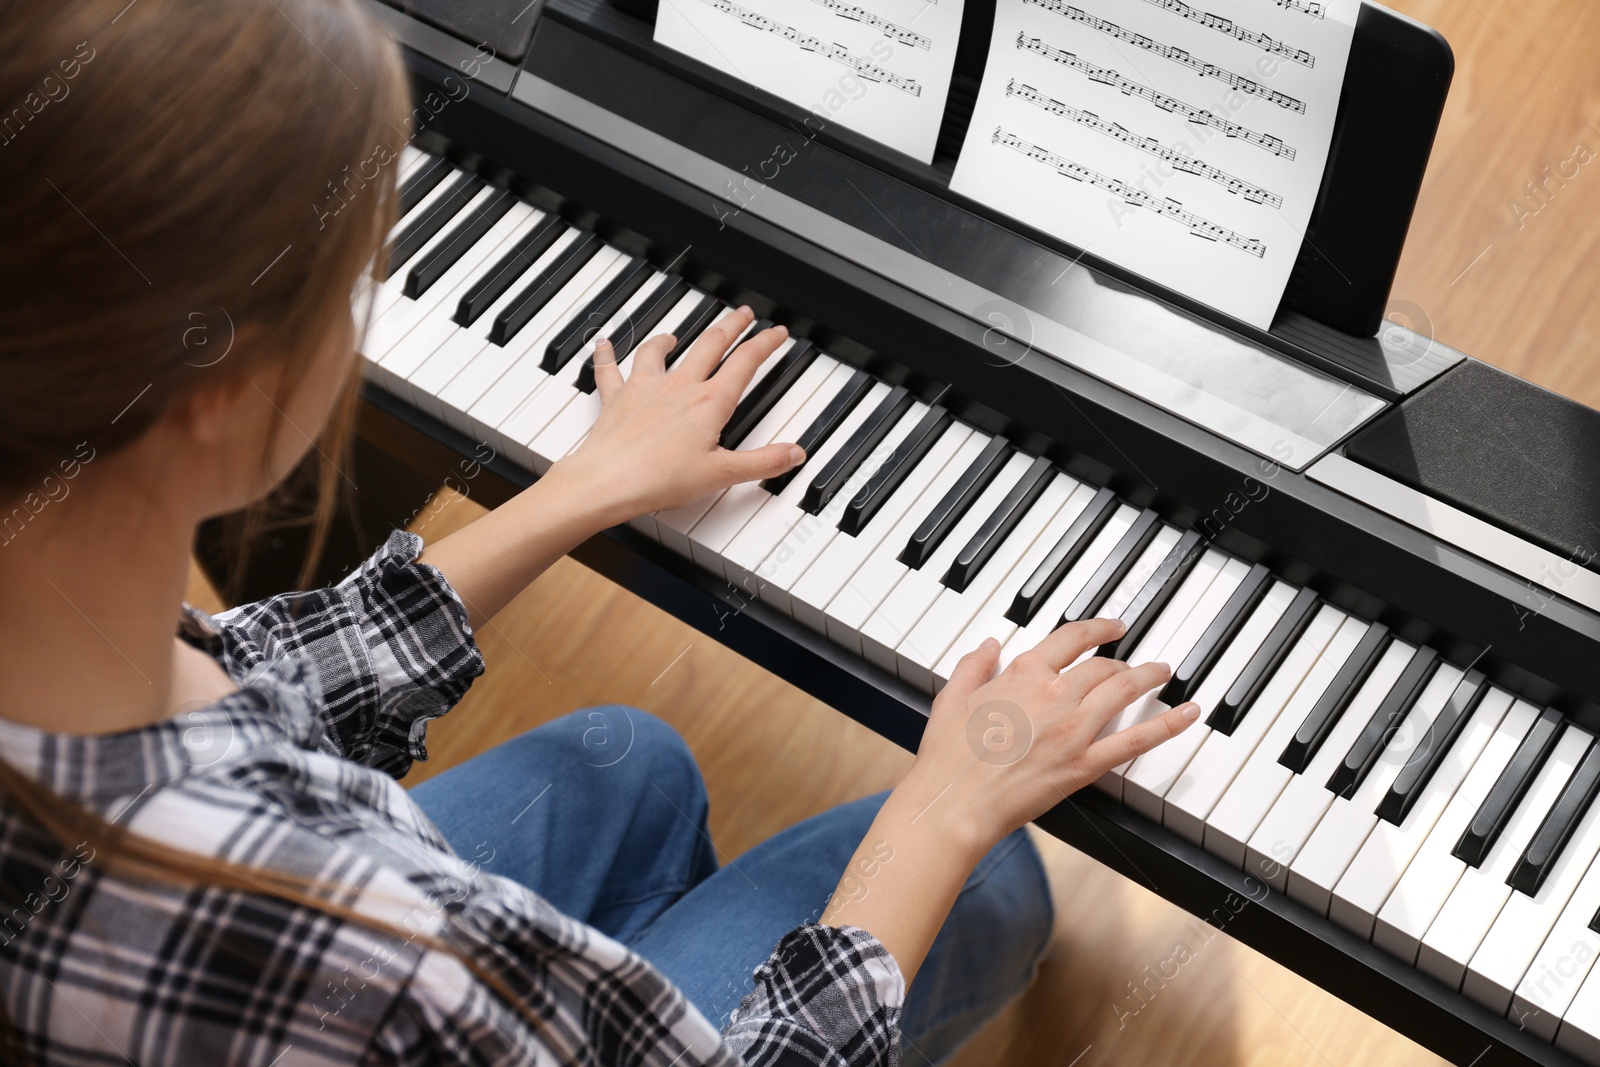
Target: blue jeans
[(603, 813)]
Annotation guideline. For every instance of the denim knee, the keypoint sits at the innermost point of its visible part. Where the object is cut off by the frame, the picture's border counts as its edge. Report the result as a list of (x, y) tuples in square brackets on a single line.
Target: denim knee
[(1016, 897), (643, 753)]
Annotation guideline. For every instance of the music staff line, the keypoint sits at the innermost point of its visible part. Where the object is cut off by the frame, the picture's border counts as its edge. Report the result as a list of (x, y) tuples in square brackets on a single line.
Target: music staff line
[(1255, 194), (1264, 41), (1170, 209), (1237, 82), (1200, 116), (836, 52), (893, 31)]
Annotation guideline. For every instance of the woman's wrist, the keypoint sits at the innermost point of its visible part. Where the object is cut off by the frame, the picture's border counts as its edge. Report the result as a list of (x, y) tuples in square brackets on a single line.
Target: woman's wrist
[(939, 807), (595, 494)]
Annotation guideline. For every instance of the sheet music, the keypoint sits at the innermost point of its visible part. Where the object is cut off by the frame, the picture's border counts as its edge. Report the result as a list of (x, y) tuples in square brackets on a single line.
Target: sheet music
[(879, 67), (1182, 139)]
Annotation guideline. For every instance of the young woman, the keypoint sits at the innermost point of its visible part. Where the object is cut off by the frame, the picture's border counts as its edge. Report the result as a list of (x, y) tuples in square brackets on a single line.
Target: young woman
[(204, 854)]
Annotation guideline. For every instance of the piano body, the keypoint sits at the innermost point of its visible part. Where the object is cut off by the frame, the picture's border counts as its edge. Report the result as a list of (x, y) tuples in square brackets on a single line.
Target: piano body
[(1330, 529)]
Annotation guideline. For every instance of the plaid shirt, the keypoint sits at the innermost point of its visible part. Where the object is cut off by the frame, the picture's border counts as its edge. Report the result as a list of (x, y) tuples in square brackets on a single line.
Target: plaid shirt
[(295, 772)]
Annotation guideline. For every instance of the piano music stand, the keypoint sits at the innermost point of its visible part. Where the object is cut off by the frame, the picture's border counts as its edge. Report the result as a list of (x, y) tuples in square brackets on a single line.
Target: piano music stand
[(1375, 166)]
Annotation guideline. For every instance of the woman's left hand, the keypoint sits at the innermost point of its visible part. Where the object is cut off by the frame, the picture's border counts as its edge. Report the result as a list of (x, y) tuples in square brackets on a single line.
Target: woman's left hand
[(654, 445)]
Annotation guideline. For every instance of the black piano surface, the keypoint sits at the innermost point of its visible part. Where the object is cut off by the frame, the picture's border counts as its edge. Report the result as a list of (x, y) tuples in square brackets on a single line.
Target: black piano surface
[(1357, 557)]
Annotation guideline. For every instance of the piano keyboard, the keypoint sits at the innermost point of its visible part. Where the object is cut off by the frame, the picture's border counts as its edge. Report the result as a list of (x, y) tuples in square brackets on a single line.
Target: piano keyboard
[(1406, 798)]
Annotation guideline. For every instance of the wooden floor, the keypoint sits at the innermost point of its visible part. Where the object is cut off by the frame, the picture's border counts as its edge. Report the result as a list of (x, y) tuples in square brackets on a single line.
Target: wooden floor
[(1511, 286)]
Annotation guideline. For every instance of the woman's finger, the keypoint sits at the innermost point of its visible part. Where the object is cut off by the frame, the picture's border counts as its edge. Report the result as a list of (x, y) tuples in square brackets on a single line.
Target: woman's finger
[(713, 343), (769, 461), (1066, 643), (607, 375), (1076, 683), (972, 670), (650, 357), (1136, 740), (736, 373), (1121, 689)]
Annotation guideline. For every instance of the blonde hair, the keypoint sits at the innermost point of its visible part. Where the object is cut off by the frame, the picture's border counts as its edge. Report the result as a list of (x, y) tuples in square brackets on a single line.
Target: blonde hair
[(173, 166)]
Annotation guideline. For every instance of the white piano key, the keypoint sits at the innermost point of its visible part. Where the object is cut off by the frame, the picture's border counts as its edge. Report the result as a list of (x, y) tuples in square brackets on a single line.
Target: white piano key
[(1433, 871), (405, 338), (1389, 849), (1480, 892), (1261, 779), (1525, 921), (388, 291), (466, 365), (917, 588), (854, 574), (990, 620), (1171, 637), (710, 535), (1305, 797), (1193, 799), (785, 421), (1558, 990), (749, 547), (524, 378), (411, 157), (1048, 616), (573, 422), (1579, 1032), (951, 611), (522, 429), (1317, 868), (1145, 784), (806, 542)]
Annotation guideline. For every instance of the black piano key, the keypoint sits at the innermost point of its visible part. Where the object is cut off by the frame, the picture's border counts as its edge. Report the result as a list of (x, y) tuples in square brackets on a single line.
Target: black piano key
[(539, 291), (481, 294), (1242, 694), (933, 529), (1430, 751), (845, 462), (1508, 790), (1067, 551), (1092, 597), (423, 181), (822, 427), (1391, 711), (582, 327), (638, 325), (998, 526), (1556, 829), (887, 478), (1156, 593), (1188, 675), (424, 228), (755, 404), (694, 324), (444, 255), (1319, 721)]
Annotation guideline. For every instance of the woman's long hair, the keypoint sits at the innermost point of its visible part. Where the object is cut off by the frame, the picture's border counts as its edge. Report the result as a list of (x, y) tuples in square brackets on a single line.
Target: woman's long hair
[(178, 174)]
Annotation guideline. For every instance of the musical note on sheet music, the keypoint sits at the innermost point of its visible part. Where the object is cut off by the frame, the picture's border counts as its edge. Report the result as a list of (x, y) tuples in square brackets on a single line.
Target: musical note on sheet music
[(1176, 54), (1233, 29), (897, 56), (836, 52), (1168, 208), (1172, 121), (1107, 76), (887, 28), (1179, 161)]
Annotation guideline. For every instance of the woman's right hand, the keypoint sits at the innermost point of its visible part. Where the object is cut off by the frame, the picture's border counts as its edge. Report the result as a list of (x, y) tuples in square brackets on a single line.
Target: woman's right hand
[(1001, 750)]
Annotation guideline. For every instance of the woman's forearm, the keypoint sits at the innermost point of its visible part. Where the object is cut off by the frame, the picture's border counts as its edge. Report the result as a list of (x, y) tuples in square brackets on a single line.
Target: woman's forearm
[(906, 874), (493, 559)]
